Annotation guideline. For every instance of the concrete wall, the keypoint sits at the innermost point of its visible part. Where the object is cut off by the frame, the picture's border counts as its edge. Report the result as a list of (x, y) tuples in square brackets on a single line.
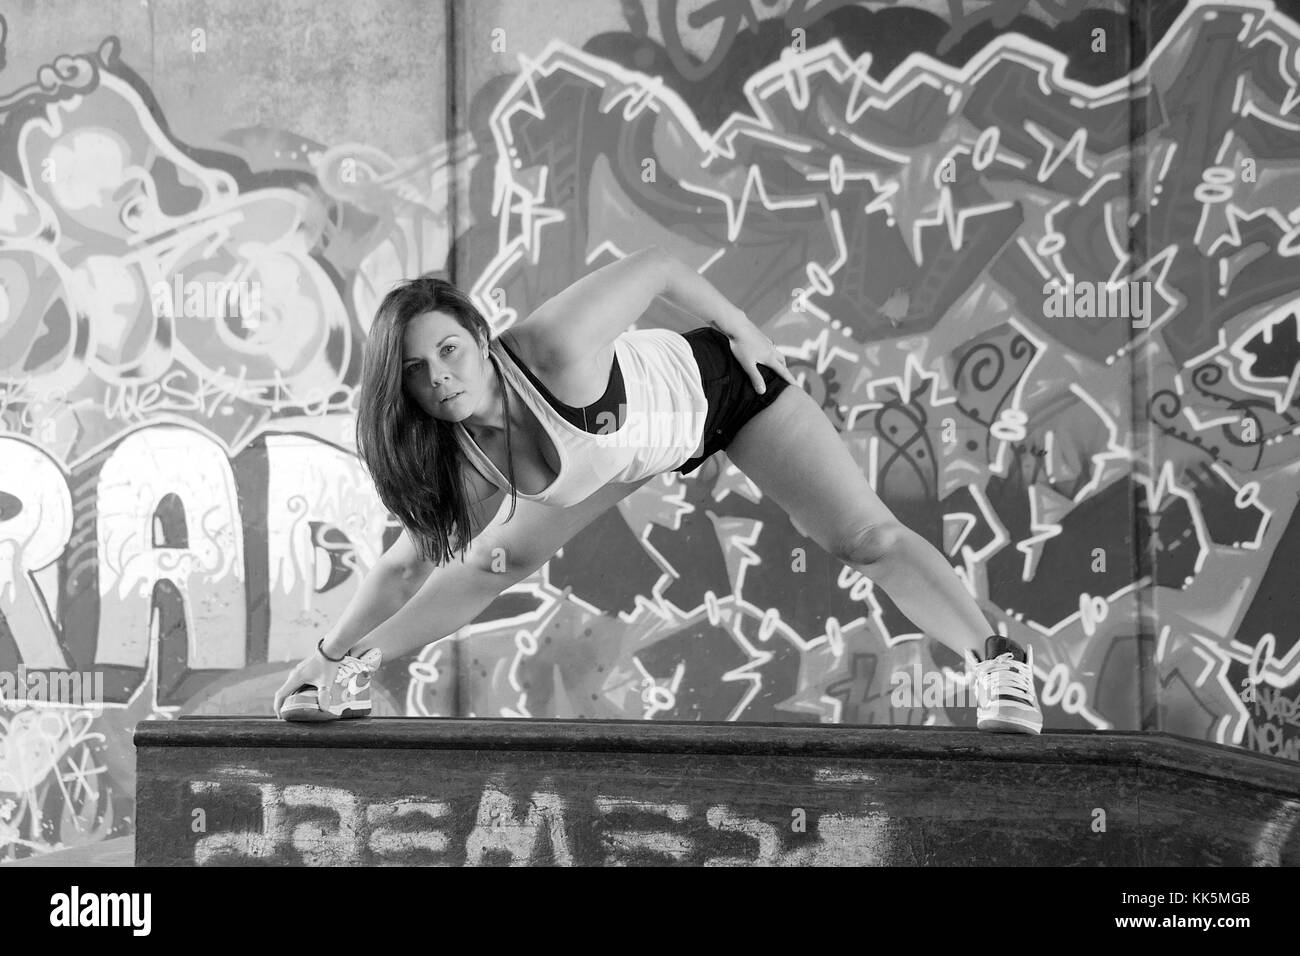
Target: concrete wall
[(887, 189)]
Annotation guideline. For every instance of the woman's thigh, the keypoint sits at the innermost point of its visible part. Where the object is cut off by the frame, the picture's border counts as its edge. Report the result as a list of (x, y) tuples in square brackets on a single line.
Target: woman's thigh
[(797, 457)]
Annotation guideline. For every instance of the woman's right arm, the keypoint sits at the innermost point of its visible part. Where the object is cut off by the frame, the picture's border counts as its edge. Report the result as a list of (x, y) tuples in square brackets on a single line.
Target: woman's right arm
[(393, 581), (506, 552), (399, 574), (402, 607)]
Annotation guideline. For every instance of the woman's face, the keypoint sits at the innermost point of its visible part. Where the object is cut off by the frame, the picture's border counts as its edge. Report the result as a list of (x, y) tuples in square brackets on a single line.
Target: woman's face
[(444, 369)]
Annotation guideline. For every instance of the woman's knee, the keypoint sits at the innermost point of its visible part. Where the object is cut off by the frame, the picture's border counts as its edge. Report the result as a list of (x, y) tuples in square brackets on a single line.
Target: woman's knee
[(870, 544)]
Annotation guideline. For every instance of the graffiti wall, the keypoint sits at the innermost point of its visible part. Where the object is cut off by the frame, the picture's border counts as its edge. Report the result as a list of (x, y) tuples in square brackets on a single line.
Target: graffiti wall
[(1037, 261)]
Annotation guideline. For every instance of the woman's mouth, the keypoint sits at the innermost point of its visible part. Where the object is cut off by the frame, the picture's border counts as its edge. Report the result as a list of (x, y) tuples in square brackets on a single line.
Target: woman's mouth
[(450, 398)]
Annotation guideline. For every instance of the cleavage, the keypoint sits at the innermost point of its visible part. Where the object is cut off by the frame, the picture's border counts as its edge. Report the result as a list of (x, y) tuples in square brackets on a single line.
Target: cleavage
[(535, 458)]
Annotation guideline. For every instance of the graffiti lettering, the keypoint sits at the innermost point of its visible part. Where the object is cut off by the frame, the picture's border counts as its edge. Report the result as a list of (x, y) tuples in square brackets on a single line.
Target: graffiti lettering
[(318, 825)]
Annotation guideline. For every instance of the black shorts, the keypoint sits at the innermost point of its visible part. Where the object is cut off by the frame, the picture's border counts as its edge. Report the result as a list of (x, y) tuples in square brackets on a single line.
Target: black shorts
[(732, 399)]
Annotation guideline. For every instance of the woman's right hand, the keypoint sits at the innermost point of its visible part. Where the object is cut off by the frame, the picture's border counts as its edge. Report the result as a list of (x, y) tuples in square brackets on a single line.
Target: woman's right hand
[(312, 669)]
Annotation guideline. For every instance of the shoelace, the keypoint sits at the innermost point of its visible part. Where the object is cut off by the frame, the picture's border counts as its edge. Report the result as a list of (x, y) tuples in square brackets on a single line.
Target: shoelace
[(1009, 675), (350, 667)]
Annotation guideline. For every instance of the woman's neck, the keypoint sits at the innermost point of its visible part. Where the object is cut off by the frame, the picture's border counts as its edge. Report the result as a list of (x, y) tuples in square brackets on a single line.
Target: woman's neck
[(490, 423)]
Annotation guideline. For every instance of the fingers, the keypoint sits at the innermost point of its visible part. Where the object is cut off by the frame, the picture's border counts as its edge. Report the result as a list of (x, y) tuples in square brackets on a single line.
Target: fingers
[(785, 373), (776, 362), (280, 696), (290, 685), (773, 360), (324, 694)]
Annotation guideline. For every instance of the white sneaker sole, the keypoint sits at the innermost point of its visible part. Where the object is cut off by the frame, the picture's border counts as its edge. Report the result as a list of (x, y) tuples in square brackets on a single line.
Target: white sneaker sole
[(305, 709), (1011, 724)]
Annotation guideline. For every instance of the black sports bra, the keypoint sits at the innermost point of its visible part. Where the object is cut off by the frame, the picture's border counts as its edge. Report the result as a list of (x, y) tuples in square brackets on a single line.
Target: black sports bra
[(612, 402)]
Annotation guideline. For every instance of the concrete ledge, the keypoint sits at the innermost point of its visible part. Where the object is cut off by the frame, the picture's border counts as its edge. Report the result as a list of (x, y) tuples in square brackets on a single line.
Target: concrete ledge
[(542, 792)]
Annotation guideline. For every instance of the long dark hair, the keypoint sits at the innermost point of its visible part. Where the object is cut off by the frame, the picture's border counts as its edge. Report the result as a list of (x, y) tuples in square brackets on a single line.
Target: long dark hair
[(413, 458)]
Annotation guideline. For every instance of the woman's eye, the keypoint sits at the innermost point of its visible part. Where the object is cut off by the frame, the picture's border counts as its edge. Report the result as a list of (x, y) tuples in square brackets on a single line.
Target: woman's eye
[(413, 366), (450, 348)]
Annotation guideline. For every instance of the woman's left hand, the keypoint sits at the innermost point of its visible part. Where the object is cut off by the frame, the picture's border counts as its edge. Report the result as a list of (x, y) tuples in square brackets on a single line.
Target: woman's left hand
[(752, 348)]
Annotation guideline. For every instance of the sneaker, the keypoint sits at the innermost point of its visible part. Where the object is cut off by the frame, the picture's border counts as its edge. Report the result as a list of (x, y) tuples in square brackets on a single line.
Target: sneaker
[(351, 696), (1004, 689)]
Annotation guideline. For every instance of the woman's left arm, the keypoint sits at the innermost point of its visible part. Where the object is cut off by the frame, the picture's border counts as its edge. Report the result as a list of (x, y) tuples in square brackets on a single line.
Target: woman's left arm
[(589, 314), (694, 293)]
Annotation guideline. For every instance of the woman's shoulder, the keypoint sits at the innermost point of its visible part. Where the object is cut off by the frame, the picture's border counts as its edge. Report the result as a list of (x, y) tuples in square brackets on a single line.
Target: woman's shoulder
[(532, 348), (532, 342), (524, 344)]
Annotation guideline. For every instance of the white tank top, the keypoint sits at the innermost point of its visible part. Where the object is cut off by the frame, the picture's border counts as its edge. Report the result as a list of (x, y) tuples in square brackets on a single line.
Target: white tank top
[(663, 421)]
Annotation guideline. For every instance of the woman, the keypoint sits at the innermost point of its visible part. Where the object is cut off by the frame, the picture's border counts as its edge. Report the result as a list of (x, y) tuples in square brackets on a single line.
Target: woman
[(568, 412)]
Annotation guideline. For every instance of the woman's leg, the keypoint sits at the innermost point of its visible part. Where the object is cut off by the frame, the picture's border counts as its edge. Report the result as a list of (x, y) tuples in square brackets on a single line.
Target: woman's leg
[(796, 457)]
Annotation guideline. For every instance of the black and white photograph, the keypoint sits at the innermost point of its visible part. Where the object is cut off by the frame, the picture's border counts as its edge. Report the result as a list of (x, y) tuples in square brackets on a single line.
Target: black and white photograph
[(691, 434)]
